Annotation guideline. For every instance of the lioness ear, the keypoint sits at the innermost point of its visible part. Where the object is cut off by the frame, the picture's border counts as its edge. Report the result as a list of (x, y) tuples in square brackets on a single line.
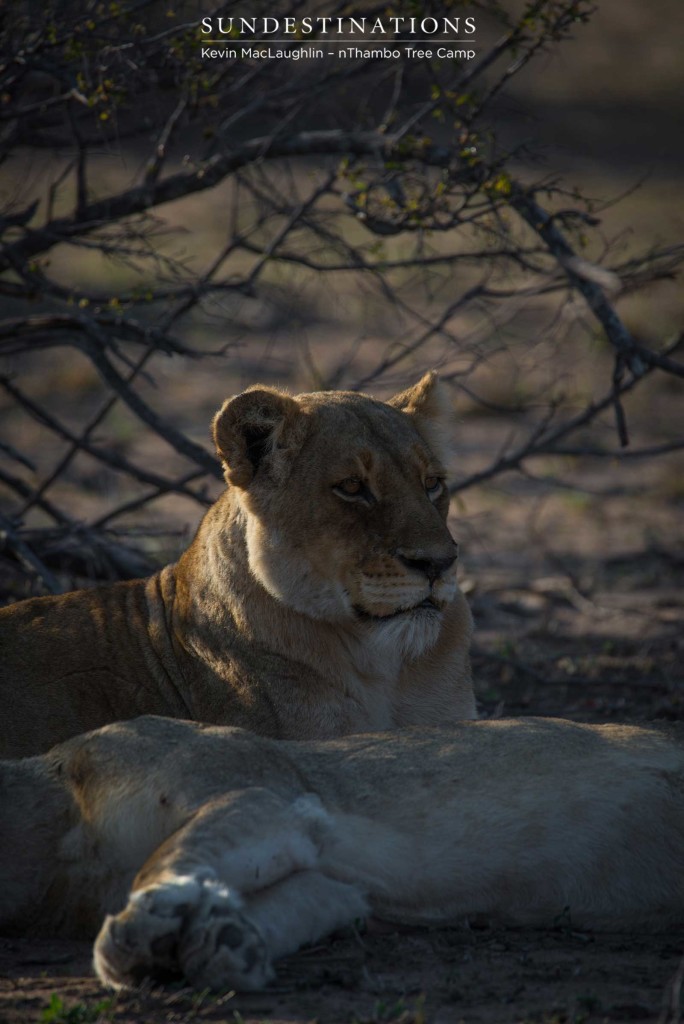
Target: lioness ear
[(427, 403), (250, 428)]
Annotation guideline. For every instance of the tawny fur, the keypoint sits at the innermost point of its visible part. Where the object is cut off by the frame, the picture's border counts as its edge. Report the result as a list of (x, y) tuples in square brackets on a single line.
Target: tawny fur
[(293, 613), (214, 851)]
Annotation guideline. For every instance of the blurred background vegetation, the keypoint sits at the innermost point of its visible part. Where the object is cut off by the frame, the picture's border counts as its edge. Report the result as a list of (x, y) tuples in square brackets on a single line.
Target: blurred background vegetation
[(173, 230)]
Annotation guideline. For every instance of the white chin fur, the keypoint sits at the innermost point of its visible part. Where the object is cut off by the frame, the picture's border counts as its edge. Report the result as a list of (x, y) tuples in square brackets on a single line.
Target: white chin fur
[(408, 635)]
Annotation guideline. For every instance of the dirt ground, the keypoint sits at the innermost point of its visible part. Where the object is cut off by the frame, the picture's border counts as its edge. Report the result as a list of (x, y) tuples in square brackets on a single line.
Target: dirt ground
[(437, 976)]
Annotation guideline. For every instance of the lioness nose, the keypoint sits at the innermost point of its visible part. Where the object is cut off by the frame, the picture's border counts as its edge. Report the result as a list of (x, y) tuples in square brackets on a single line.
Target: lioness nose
[(432, 567)]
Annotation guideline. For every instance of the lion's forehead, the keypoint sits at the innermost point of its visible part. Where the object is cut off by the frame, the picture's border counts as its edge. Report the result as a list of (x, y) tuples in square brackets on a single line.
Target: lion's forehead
[(362, 435), (334, 411)]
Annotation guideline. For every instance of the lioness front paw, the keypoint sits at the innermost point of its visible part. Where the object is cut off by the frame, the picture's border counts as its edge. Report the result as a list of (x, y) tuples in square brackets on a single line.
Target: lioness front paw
[(192, 927), (221, 948)]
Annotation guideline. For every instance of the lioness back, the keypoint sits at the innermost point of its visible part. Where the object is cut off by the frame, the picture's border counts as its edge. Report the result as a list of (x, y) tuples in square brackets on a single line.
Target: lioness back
[(83, 657), (318, 598)]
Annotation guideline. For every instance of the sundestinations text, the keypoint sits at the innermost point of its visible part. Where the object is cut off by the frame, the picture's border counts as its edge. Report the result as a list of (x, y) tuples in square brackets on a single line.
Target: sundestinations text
[(270, 26)]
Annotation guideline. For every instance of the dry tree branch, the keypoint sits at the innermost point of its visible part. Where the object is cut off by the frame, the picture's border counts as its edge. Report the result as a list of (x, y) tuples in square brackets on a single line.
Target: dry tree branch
[(18, 486), (337, 142), (636, 357), (10, 540), (104, 455), (182, 444), (78, 445), (543, 441), (649, 452), (47, 326)]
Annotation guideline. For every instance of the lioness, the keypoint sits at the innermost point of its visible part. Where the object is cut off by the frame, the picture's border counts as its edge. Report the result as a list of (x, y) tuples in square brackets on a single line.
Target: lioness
[(240, 848), (318, 598)]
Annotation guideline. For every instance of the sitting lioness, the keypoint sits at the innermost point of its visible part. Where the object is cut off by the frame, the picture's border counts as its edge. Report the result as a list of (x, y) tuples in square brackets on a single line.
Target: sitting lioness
[(241, 848), (318, 598)]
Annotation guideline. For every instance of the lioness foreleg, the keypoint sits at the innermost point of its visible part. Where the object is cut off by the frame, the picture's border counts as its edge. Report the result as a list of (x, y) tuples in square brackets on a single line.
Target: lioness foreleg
[(233, 890)]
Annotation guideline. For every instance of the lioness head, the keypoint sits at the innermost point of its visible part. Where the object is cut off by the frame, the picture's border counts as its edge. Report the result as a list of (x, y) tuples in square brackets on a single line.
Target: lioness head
[(345, 505)]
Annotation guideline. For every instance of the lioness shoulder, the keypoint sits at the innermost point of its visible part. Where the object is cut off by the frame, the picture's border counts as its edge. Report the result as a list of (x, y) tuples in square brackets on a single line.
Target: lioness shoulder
[(318, 597)]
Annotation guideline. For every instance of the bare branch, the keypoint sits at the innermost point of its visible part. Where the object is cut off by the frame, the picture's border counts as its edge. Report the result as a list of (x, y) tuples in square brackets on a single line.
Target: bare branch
[(11, 541), (109, 458)]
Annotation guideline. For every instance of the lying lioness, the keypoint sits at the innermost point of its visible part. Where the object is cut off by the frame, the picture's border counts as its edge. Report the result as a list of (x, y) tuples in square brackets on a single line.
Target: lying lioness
[(240, 848), (318, 598)]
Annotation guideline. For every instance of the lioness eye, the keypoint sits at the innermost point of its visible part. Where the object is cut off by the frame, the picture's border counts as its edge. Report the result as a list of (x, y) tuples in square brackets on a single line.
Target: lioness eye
[(433, 486), (350, 486)]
